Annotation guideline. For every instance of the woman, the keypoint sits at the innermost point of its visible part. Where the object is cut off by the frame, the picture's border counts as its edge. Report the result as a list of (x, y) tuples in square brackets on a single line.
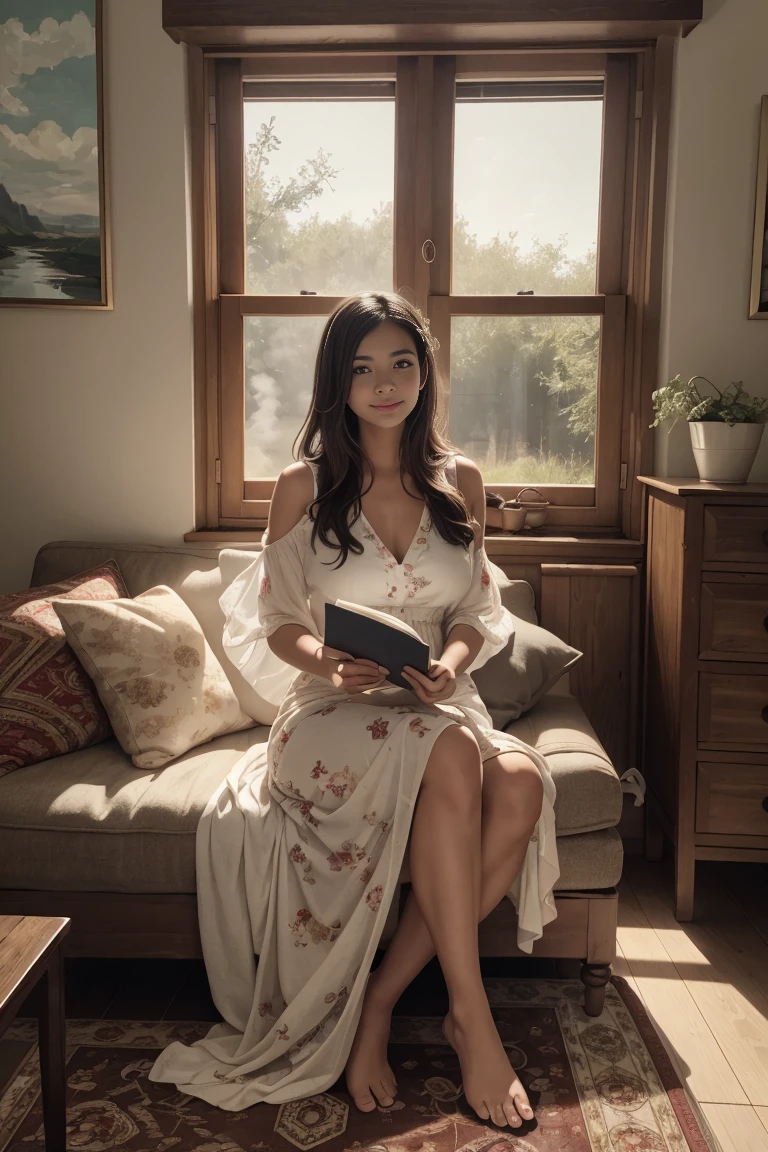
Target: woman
[(300, 852)]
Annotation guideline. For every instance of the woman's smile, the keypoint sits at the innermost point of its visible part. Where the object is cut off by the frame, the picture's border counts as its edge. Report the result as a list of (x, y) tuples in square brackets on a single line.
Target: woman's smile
[(387, 407)]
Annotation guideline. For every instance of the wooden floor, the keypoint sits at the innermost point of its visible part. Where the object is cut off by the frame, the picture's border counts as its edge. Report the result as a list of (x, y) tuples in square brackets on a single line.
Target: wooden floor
[(704, 985)]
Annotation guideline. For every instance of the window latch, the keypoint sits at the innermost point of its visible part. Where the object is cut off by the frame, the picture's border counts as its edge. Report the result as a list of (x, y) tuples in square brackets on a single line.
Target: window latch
[(428, 251)]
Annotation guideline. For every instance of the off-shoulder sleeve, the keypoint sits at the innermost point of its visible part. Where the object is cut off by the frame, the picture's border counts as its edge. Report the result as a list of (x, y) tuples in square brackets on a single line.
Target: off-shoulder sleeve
[(482, 609), (271, 592)]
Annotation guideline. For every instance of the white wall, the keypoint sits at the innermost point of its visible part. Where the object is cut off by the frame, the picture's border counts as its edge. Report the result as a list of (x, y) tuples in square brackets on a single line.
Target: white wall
[(721, 72), (96, 408)]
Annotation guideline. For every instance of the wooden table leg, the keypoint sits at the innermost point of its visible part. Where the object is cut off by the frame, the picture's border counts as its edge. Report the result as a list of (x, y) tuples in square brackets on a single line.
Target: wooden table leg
[(52, 1033)]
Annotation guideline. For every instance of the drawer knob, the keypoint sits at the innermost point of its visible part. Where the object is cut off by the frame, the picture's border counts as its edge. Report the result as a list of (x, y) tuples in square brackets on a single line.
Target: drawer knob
[(765, 538), (765, 623), (765, 713), (765, 803)]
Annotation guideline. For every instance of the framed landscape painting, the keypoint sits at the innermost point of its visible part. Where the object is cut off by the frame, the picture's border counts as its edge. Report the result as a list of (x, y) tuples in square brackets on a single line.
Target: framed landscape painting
[(758, 296), (54, 231)]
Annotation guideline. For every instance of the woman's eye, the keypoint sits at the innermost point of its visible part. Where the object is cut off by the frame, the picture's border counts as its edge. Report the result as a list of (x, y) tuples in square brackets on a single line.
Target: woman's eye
[(360, 369), (404, 364)]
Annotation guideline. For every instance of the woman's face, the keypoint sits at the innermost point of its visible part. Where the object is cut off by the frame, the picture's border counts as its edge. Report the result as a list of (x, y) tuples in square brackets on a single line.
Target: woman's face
[(386, 378)]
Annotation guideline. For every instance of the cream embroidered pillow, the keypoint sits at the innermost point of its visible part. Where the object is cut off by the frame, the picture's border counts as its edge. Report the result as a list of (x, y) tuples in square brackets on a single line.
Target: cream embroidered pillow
[(161, 685)]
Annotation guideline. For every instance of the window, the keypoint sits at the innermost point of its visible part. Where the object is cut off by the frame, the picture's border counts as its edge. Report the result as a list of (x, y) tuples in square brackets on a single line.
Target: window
[(494, 191)]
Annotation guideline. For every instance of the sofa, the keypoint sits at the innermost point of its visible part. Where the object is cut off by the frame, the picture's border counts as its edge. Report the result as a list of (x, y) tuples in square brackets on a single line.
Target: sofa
[(89, 836)]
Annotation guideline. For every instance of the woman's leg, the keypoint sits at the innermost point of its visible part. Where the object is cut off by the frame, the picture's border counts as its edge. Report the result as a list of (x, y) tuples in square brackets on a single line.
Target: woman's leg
[(511, 804), (512, 796)]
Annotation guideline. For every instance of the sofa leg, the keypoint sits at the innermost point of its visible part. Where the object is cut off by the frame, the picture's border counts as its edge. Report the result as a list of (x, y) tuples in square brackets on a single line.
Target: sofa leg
[(594, 977)]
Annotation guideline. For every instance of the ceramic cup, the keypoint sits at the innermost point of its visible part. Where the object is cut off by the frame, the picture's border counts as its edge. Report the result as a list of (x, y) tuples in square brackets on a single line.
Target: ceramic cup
[(535, 509), (512, 517)]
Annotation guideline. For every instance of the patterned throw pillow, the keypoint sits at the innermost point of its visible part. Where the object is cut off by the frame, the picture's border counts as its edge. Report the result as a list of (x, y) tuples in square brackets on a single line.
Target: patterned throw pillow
[(48, 705), (164, 690)]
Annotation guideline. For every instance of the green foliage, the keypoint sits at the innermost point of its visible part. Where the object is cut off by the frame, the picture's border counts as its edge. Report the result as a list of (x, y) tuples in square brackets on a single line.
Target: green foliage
[(498, 267), (682, 400), (541, 469), (523, 389), (574, 374)]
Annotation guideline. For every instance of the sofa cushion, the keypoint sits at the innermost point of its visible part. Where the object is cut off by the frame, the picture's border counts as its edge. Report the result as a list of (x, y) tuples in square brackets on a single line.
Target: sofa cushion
[(143, 566), (201, 592), (48, 704), (517, 596), (192, 572), (515, 679), (105, 826), (588, 789), (164, 690), (95, 823), (591, 860)]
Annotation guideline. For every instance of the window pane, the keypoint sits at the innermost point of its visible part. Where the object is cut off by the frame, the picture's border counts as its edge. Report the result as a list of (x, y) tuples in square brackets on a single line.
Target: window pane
[(526, 196), (524, 396), (319, 183), (280, 356)]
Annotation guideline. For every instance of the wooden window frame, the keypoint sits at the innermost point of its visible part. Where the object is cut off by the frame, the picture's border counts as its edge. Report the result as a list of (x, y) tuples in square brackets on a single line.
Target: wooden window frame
[(628, 286)]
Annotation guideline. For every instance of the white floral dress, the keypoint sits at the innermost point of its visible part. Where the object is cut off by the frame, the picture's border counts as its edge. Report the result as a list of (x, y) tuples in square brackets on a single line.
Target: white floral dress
[(300, 850)]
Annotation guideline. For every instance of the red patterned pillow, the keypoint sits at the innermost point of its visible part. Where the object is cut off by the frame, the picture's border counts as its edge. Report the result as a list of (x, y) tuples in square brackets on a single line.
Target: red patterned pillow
[(48, 705)]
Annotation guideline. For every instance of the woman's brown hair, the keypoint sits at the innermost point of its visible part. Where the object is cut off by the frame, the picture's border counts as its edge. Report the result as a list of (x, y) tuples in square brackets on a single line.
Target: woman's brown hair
[(329, 437)]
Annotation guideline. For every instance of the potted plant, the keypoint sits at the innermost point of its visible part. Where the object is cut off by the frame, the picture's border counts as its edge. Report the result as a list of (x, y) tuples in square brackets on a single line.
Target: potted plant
[(726, 429)]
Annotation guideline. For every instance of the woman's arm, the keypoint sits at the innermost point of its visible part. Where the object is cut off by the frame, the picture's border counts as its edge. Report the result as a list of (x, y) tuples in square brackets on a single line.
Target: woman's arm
[(293, 643), (463, 642)]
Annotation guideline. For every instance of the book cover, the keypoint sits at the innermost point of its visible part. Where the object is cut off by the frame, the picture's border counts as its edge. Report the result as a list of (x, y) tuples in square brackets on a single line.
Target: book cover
[(368, 634)]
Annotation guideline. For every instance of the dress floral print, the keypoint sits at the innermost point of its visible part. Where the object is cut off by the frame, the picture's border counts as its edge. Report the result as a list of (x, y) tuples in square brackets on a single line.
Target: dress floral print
[(378, 729), (373, 898), (300, 850)]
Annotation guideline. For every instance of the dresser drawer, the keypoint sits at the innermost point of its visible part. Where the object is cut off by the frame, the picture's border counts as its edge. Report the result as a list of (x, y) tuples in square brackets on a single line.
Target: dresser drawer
[(735, 534), (733, 711), (732, 799), (734, 621)]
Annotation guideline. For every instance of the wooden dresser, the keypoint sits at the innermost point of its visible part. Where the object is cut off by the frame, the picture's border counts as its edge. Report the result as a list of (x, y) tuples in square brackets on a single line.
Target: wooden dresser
[(705, 709)]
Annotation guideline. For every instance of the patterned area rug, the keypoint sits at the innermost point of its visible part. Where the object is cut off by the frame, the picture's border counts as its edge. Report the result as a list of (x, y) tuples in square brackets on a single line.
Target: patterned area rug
[(597, 1085)]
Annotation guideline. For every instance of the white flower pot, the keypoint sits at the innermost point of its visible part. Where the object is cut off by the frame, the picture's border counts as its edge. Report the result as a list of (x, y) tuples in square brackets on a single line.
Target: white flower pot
[(725, 453)]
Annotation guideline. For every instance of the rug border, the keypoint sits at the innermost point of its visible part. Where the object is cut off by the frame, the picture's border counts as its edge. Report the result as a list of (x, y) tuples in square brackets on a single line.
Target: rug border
[(671, 1083)]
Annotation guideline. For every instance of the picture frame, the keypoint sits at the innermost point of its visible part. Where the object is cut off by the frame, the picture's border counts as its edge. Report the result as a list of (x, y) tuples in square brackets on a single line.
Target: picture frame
[(55, 244), (758, 295)]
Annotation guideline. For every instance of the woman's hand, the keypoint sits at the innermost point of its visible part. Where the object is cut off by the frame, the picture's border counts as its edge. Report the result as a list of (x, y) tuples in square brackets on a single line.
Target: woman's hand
[(352, 675), (439, 684)]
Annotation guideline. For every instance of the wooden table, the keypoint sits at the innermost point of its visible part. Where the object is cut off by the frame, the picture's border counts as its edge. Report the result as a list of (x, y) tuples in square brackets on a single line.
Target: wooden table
[(30, 950)]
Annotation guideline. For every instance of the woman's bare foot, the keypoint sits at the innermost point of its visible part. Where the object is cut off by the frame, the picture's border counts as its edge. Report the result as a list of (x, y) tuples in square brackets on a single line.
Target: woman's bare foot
[(370, 1079), (490, 1084)]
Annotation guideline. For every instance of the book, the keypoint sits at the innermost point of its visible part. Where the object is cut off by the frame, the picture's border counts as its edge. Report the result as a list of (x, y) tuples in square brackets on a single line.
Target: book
[(368, 634)]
